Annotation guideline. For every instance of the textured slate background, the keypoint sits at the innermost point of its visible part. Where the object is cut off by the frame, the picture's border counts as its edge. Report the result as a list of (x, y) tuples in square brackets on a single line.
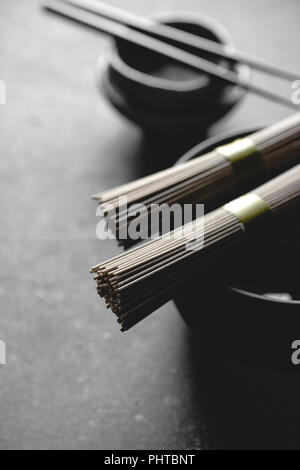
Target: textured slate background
[(73, 381)]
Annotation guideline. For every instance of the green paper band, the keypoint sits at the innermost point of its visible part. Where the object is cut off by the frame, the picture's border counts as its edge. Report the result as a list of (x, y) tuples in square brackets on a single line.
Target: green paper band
[(243, 155), (249, 209)]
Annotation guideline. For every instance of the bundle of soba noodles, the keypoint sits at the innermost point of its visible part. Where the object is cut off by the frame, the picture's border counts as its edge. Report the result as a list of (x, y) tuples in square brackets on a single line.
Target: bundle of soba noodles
[(211, 179), (138, 282)]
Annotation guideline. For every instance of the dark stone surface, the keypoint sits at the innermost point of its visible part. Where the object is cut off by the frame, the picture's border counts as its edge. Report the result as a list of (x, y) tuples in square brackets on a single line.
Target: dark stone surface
[(73, 381)]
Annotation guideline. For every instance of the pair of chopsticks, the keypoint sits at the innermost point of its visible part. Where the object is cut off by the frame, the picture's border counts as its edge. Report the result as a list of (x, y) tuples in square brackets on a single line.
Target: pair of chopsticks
[(152, 35)]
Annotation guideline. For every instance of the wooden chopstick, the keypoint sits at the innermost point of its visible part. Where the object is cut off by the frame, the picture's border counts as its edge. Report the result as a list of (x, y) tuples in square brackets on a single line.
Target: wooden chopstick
[(116, 30), (159, 30)]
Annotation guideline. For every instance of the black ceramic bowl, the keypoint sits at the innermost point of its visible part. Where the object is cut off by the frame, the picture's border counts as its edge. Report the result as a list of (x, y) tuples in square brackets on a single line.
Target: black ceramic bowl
[(154, 92), (242, 325), (255, 319)]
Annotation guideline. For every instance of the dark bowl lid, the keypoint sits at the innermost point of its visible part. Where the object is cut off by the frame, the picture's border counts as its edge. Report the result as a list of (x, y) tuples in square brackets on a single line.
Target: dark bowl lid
[(152, 91)]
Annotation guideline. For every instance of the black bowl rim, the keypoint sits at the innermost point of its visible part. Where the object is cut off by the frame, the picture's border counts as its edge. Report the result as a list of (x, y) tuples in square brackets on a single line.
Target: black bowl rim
[(204, 147), (163, 84)]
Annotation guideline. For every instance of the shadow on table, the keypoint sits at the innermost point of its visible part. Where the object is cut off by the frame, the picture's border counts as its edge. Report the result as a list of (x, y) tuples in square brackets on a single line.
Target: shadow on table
[(158, 151), (238, 415)]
